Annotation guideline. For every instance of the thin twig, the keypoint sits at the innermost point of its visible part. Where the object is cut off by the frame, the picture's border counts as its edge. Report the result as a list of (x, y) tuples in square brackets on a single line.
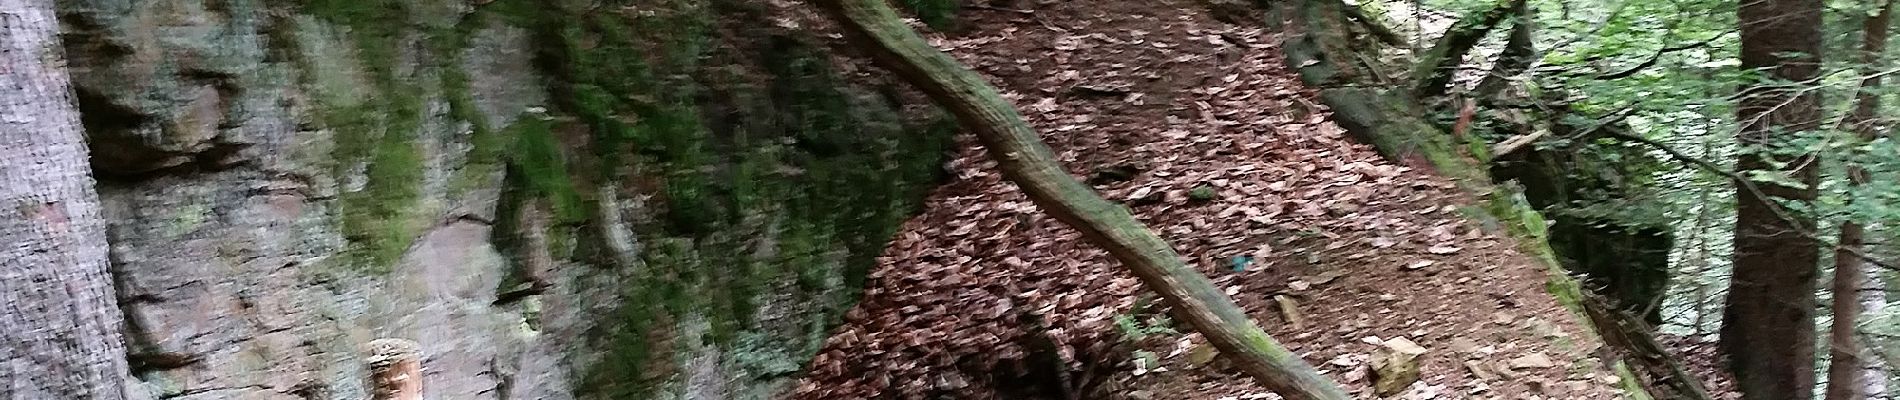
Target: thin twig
[(1749, 185)]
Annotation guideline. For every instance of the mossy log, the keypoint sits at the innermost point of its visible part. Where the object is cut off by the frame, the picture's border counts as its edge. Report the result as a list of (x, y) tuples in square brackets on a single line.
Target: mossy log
[(1651, 365), (1028, 162)]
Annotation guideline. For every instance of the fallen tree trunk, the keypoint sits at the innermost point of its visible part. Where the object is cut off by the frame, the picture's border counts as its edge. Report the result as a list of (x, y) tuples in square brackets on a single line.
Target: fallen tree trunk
[(1659, 372), (1028, 162)]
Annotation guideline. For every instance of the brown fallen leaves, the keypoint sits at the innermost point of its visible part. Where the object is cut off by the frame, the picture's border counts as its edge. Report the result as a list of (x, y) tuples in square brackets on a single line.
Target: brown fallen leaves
[(982, 296)]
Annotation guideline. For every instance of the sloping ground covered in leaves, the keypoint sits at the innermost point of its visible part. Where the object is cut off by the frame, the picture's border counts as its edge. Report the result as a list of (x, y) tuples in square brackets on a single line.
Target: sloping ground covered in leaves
[(1197, 126)]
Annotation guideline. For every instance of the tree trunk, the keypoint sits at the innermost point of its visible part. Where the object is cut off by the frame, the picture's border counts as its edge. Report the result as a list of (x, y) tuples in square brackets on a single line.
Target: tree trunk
[(1844, 371), (1433, 75), (59, 319), (1029, 163), (1768, 325), (1874, 374), (1520, 51)]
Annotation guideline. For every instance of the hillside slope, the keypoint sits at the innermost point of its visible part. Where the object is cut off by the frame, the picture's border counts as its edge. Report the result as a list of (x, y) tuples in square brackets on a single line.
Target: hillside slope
[(1197, 126)]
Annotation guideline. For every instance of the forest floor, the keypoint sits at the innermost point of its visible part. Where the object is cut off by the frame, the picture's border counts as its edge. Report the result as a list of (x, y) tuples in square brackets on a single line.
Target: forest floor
[(1199, 128)]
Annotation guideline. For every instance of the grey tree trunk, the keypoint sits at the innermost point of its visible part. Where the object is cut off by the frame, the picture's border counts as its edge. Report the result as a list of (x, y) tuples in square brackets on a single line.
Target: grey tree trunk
[(58, 313), (1872, 302)]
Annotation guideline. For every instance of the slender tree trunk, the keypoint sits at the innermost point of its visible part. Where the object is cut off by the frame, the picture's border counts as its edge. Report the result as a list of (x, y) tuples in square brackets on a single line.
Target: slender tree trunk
[(1433, 74), (1029, 163), (1844, 371), (59, 319), (1768, 325), (1520, 51), (1873, 372)]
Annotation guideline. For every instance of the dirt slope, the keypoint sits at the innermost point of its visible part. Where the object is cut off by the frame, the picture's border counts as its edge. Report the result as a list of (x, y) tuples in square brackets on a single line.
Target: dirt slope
[(1201, 130)]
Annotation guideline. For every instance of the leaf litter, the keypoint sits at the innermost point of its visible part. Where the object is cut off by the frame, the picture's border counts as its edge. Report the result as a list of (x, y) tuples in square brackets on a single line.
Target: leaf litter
[(982, 296)]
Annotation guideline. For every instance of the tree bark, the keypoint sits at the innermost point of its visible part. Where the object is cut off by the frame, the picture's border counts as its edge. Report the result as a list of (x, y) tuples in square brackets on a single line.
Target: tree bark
[(1433, 75), (1768, 325), (59, 318), (1028, 162), (1518, 55), (1874, 374), (1844, 371)]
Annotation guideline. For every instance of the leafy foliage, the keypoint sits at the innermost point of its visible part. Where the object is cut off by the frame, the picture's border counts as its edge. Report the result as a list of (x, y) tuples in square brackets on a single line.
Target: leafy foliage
[(1672, 67)]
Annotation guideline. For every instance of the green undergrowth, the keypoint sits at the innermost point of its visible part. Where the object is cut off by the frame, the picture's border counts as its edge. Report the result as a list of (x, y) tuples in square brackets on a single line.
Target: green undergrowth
[(768, 177)]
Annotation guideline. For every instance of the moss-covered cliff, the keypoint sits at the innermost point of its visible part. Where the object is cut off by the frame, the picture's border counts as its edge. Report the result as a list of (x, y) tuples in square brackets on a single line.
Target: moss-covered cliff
[(567, 199)]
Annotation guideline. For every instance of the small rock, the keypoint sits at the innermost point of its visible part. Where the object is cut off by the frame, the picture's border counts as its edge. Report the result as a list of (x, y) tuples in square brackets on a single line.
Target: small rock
[(1419, 264), (1611, 379), (1290, 309), (1544, 328), (1576, 386), (1482, 372), (1328, 276), (1202, 354), (1531, 361), (1464, 346), (1395, 366)]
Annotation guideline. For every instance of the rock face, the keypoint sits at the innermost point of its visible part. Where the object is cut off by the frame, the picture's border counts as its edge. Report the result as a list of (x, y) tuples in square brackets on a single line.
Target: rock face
[(552, 200)]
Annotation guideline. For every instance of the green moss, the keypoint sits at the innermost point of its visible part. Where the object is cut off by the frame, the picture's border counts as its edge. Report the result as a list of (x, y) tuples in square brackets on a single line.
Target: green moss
[(769, 177), (380, 137), (631, 365), (381, 218), (538, 158), (1202, 193), (1632, 388), (375, 128), (487, 146)]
